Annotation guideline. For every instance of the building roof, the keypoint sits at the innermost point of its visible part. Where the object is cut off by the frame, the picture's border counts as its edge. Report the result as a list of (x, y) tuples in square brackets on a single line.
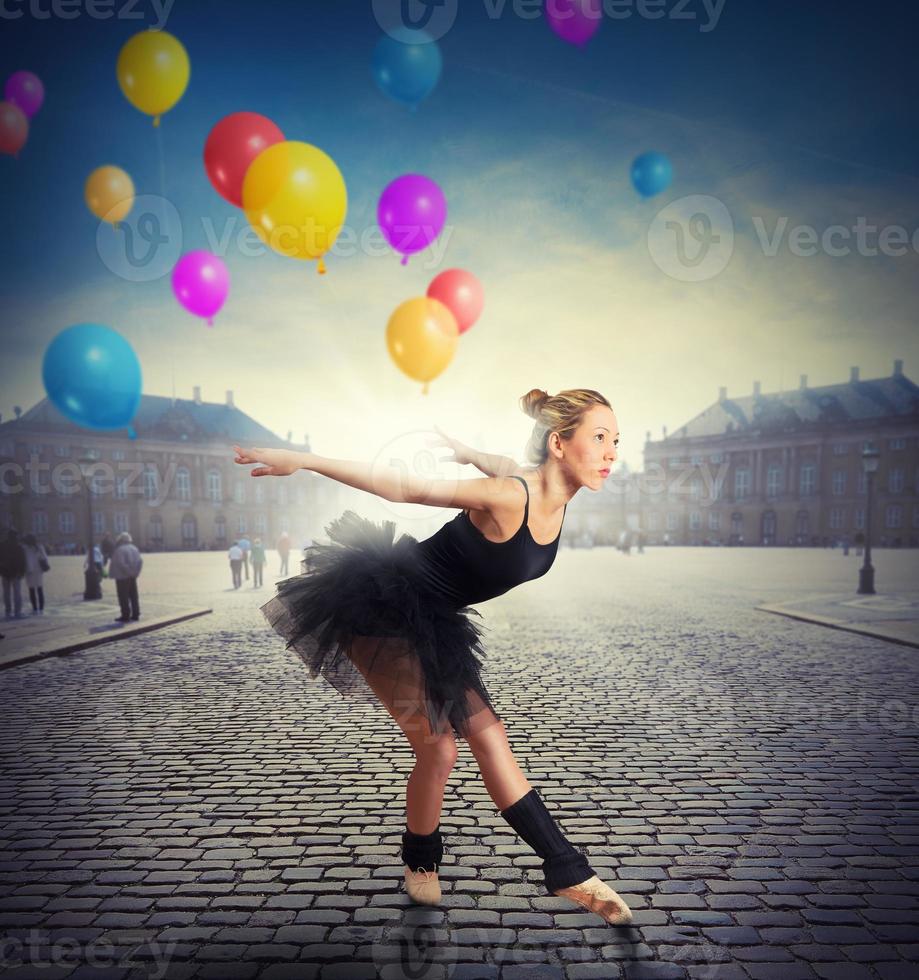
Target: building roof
[(854, 401), (159, 418)]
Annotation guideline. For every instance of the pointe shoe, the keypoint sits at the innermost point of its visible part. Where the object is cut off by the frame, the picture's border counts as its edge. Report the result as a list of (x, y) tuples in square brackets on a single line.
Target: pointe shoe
[(422, 886), (597, 896)]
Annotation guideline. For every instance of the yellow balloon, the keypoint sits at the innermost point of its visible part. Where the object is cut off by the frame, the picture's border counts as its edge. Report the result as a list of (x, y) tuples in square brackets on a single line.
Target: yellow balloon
[(109, 193), (153, 70), (295, 197), (422, 336)]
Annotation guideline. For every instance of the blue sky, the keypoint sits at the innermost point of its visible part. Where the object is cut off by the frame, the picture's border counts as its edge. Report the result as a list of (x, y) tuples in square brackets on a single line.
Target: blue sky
[(782, 110)]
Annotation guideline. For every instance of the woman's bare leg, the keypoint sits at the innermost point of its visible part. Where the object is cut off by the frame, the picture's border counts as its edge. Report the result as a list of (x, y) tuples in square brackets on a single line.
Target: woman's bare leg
[(401, 690)]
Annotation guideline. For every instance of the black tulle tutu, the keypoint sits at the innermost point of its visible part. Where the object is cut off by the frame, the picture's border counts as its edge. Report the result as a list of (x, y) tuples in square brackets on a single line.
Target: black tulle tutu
[(363, 616)]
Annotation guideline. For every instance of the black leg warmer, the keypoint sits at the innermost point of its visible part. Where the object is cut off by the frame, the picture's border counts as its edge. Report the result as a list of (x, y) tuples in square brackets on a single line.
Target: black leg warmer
[(425, 851), (562, 865)]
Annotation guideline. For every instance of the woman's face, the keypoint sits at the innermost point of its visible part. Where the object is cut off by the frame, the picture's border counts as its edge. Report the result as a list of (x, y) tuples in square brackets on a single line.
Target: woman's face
[(592, 450)]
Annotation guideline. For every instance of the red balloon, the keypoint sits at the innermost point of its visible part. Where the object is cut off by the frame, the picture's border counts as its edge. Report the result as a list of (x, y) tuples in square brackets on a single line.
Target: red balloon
[(232, 145), (461, 293), (14, 128)]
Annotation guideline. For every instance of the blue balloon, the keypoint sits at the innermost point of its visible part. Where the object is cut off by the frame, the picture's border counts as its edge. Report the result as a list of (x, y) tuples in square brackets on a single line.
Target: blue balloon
[(407, 65), (92, 376), (651, 173)]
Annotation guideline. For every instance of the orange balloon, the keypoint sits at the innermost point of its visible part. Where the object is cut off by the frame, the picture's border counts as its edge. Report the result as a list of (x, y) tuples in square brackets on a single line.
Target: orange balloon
[(422, 336), (109, 193)]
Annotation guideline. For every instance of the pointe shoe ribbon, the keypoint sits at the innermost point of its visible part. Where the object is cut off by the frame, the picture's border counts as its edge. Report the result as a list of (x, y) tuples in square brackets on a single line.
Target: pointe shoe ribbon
[(597, 896), (423, 886)]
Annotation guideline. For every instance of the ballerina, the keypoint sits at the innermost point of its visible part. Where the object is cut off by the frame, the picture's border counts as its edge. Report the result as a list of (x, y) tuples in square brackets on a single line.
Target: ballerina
[(392, 619)]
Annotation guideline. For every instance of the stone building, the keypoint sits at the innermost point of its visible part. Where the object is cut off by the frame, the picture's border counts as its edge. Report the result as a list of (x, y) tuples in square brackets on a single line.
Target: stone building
[(786, 468), (173, 487)]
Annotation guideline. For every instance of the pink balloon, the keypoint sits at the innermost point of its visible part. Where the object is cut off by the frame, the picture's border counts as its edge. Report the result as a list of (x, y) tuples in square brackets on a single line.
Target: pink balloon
[(25, 90), (574, 21), (14, 128), (200, 281), (461, 293), (412, 211)]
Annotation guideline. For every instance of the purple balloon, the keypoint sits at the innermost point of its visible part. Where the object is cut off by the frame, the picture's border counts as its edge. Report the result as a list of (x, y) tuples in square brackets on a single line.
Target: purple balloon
[(25, 90), (200, 281), (574, 21), (412, 212)]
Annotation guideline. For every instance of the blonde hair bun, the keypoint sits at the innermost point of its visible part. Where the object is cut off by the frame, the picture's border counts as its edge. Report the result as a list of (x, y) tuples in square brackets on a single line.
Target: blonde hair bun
[(533, 401)]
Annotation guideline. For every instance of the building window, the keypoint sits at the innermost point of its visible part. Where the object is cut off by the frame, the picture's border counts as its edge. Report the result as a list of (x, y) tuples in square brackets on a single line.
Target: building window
[(282, 493), (151, 482), (673, 520), (98, 522), (714, 520), (220, 527), (66, 523), (121, 488), (284, 521), (802, 525), (214, 487), (34, 449), (259, 492), (716, 457), (239, 492), (189, 532), (183, 483), (773, 480), (695, 488), (260, 524), (839, 483), (859, 520), (97, 484), (861, 485), (39, 522), (62, 451), (741, 484), (156, 530), (896, 444), (695, 459), (117, 455), (121, 521), (242, 524), (808, 479), (695, 520), (893, 516), (836, 518), (896, 480), (840, 449)]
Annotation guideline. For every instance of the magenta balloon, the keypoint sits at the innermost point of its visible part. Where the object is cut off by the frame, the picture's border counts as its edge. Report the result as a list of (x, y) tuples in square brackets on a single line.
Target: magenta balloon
[(574, 21), (200, 281), (412, 212), (25, 90)]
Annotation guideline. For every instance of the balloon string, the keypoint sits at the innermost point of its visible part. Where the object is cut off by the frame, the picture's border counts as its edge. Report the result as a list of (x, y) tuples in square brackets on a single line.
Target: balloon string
[(156, 121)]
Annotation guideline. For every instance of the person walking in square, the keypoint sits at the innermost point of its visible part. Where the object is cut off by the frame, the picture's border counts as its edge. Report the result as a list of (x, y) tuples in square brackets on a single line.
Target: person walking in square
[(246, 547), (283, 548), (12, 571), (124, 567), (36, 565), (392, 618), (235, 555), (258, 563)]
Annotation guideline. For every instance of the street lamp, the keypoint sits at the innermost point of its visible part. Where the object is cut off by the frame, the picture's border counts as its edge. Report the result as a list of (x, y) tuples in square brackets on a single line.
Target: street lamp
[(870, 460), (91, 587)]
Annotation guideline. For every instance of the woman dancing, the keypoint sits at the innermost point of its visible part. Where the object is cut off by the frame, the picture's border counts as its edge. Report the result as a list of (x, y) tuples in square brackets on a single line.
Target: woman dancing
[(390, 619)]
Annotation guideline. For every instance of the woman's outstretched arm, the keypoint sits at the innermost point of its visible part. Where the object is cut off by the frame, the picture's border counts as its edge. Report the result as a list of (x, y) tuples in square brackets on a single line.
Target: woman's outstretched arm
[(394, 483), (491, 464)]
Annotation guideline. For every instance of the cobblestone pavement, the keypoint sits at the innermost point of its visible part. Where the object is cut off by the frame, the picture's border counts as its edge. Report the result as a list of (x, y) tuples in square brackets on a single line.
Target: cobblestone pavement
[(191, 804)]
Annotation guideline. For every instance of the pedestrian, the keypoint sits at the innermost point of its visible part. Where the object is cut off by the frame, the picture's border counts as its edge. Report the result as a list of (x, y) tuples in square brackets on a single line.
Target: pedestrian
[(236, 561), (107, 546), (124, 567), (390, 617), (258, 563), (283, 547), (36, 565), (246, 547), (12, 570), (97, 562)]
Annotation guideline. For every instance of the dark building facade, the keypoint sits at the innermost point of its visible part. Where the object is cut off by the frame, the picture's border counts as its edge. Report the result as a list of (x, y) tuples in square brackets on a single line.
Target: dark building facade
[(173, 487)]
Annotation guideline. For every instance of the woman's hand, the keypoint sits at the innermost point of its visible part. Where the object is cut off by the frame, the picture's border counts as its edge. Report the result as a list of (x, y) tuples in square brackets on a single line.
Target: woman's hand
[(460, 450), (277, 462)]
